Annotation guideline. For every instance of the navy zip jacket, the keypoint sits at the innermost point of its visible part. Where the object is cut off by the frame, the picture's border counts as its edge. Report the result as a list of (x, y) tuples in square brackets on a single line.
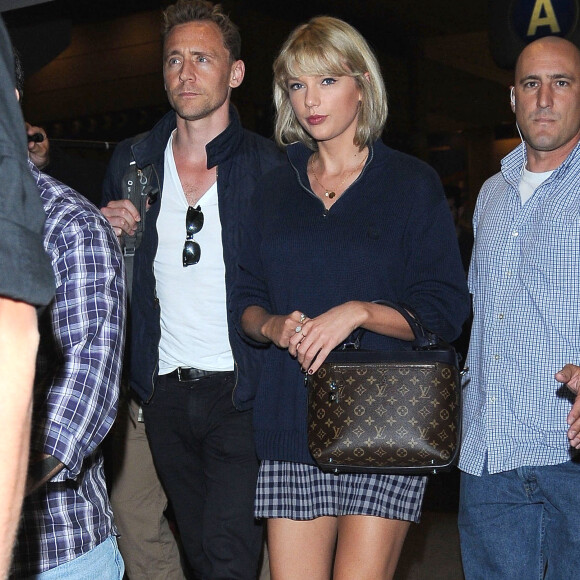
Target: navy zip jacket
[(389, 236), (242, 157)]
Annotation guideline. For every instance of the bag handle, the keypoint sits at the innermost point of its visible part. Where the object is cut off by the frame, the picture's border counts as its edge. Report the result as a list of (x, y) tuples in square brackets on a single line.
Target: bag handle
[(424, 338)]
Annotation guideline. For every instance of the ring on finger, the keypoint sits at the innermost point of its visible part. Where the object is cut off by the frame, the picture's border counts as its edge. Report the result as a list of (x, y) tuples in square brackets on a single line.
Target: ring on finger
[(298, 329), (302, 317)]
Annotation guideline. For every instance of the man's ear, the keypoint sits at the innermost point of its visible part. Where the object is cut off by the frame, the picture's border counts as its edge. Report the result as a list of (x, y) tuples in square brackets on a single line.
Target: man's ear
[(238, 72)]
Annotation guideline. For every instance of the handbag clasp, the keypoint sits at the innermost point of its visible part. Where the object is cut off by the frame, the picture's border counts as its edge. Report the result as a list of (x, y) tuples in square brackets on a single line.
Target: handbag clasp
[(333, 392)]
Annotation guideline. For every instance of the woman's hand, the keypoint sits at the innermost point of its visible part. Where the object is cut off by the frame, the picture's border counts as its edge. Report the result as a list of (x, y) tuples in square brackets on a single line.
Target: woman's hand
[(311, 339), (262, 326), (318, 336), (279, 329)]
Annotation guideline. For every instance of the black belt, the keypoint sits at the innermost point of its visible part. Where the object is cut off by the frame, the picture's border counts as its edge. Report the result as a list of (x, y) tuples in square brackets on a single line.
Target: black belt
[(189, 374)]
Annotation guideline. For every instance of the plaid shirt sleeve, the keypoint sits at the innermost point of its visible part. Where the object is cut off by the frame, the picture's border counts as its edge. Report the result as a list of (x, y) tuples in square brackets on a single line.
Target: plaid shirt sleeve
[(77, 406)]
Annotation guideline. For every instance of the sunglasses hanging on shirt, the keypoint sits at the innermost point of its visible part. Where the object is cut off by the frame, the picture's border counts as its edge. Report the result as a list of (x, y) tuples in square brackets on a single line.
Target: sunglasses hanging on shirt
[(193, 224)]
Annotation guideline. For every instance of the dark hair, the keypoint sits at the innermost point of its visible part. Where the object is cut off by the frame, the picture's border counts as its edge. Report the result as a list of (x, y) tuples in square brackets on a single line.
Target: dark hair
[(18, 73), (184, 11)]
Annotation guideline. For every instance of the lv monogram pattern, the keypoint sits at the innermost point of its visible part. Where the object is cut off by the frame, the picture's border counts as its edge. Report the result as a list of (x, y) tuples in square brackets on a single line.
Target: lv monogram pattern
[(384, 415)]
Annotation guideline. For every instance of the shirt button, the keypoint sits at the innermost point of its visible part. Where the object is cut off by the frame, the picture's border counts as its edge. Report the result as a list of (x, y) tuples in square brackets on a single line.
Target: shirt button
[(500, 316), (492, 399), (496, 357), (515, 234)]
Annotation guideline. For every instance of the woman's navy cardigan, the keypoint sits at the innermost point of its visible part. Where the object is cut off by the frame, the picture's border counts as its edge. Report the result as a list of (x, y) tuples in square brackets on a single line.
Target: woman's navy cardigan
[(389, 236)]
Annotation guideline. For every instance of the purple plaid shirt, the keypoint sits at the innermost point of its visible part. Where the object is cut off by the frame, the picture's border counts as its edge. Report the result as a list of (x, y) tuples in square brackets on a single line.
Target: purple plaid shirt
[(77, 386)]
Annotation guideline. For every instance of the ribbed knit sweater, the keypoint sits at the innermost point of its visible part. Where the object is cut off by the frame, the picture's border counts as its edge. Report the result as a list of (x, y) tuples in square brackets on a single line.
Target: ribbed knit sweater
[(390, 236)]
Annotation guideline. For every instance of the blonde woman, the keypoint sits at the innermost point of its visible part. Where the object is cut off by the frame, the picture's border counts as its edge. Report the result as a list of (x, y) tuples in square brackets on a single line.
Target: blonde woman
[(346, 222)]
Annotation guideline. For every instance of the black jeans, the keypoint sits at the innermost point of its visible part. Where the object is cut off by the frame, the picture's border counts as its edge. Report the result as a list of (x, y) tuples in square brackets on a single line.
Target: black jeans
[(203, 450)]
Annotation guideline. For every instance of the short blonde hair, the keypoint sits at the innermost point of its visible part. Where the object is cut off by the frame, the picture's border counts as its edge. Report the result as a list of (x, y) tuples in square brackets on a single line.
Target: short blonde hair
[(329, 46)]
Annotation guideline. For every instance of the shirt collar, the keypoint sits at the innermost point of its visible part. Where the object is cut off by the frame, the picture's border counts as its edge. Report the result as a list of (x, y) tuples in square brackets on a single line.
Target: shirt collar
[(513, 162)]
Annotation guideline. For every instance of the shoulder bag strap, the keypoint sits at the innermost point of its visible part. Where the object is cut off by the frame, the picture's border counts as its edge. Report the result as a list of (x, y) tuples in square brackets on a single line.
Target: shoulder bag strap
[(424, 338), (136, 187)]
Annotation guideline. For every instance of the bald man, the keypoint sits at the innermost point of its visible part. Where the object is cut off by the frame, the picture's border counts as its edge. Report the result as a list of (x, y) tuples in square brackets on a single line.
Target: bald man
[(519, 511)]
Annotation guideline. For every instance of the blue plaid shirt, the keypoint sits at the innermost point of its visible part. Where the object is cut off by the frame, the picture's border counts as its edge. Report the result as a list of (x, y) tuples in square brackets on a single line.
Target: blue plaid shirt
[(525, 282), (77, 386)]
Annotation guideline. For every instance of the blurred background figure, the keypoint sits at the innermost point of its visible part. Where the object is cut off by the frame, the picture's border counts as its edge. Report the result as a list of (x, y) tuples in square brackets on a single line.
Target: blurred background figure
[(67, 527), (67, 523), (83, 174), (26, 281)]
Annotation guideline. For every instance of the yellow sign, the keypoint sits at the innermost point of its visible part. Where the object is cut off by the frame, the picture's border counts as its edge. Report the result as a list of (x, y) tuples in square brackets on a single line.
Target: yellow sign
[(543, 14)]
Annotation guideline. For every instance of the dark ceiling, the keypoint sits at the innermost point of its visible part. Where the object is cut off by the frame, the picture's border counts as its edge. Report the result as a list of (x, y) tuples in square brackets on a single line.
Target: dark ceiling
[(410, 17), (391, 26), (438, 66)]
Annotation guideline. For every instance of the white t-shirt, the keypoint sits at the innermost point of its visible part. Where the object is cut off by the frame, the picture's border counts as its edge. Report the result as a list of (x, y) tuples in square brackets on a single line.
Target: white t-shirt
[(530, 181), (194, 330)]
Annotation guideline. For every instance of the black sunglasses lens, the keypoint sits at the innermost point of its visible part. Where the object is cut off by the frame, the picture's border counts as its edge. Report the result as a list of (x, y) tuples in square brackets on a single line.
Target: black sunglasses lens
[(193, 223), (193, 220), (191, 253)]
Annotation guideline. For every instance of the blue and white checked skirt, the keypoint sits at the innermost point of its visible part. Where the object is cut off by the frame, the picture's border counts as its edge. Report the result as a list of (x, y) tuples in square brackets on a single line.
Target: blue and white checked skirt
[(303, 492)]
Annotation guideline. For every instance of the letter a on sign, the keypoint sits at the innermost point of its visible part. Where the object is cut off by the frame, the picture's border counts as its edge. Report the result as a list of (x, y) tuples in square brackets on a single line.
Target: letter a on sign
[(515, 23), (543, 15)]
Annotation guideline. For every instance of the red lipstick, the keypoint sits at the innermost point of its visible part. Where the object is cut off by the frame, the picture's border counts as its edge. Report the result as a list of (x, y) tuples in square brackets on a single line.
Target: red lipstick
[(316, 119)]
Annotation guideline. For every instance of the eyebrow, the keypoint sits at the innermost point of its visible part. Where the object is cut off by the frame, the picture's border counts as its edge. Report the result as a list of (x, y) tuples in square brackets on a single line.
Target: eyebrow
[(190, 52), (554, 76)]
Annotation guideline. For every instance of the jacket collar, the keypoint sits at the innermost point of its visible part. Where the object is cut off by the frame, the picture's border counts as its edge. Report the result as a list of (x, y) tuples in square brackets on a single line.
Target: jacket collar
[(227, 142), (147, 150)]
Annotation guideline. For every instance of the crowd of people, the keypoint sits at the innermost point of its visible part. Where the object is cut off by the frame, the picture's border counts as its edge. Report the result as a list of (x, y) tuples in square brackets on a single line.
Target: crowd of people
[(255, 259)]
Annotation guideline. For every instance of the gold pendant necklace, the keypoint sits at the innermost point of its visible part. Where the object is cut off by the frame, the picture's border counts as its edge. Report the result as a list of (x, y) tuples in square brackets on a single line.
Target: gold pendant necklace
[(330, 193)]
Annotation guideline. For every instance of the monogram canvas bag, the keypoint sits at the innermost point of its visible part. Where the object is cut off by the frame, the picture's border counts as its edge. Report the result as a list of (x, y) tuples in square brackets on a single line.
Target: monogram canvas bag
[(387, 412)]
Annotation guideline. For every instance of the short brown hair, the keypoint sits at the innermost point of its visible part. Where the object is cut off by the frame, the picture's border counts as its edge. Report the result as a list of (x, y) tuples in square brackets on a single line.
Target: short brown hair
[(184, 11)]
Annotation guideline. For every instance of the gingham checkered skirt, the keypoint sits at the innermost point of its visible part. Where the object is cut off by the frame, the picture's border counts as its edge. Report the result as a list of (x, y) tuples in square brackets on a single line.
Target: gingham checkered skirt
[(303, 492)]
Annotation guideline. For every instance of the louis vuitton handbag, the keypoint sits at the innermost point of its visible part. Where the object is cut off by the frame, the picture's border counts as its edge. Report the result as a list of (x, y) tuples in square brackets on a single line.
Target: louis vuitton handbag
[(393, 412)]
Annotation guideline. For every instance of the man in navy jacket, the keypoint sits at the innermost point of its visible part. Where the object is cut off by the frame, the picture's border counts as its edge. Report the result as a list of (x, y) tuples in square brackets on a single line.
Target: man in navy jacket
[(189, 368)]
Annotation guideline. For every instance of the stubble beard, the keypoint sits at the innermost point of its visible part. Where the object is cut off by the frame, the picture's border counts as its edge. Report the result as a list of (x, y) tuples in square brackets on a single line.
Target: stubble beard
[(193, 111)]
